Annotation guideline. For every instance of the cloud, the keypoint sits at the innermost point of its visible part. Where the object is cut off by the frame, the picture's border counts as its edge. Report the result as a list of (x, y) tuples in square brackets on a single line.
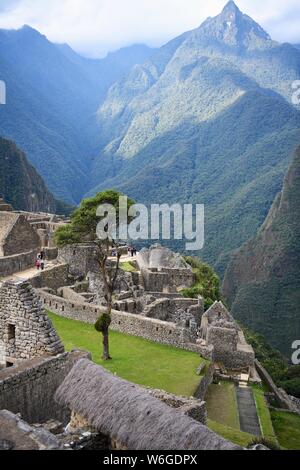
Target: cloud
[(94, 27)]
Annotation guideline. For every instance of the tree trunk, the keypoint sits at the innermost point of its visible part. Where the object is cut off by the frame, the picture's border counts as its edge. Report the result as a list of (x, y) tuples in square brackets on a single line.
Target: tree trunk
[(106, 356)]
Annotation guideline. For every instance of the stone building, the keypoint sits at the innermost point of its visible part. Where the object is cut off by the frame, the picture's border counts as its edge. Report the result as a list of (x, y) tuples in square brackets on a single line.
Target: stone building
[(163, 270), (16, 235), (219, 331), (26, 331)]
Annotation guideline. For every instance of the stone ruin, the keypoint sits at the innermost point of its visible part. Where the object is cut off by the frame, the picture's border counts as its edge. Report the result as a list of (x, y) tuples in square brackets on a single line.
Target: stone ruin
[(16, 235), (25, 329), (150, 292), (220, 332), (163, 270), (23, 235)]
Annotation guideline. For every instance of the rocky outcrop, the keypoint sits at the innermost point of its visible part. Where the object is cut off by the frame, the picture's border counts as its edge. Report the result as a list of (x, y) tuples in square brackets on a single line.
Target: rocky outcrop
[(262, 283), (158, 257)]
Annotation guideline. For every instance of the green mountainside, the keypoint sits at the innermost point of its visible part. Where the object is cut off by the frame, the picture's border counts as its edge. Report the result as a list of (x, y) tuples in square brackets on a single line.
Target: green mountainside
[(207, 119), (22, 186), (262, 282), (52, 98)]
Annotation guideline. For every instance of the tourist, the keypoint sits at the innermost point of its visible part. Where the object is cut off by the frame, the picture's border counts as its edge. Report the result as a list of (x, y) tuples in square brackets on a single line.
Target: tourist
[(38, 264), (42, 255), (42, 265)]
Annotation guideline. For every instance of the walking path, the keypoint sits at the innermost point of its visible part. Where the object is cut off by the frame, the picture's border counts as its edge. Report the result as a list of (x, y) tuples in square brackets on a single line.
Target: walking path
[(28, 274), (249, 421)]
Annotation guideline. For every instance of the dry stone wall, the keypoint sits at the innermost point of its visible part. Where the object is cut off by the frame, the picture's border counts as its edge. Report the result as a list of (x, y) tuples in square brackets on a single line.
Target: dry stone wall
[(30, 387), (16, 263), (80, 258), (53, 278), (205, 382), (124, 322)]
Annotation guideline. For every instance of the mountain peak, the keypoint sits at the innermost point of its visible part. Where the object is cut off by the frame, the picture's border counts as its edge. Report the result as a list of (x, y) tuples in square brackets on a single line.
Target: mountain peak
[(235, 29), (231, 7)]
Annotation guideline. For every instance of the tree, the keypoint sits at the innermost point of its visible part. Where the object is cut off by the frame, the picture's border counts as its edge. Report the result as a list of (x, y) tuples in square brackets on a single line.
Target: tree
[(82, 229)]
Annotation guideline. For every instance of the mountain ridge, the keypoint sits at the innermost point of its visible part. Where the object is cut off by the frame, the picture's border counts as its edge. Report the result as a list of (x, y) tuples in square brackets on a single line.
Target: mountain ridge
[(162, 129), (262, 281), (51, 106), (21, 185)]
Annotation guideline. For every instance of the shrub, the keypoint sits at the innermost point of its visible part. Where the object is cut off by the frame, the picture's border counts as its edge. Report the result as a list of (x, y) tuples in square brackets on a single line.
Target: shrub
[(103, 323), (207, 283)]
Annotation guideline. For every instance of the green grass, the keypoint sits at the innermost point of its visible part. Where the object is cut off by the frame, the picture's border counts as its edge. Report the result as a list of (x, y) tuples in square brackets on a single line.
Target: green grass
[(128, 266), (135, 359), (240, 438), (287, 428), (222, 405), (263, 414)]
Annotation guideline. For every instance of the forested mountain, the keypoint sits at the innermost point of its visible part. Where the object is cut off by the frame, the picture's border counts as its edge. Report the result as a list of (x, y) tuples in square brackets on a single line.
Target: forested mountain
[(262, 282), (52, 97), (208, 119), (21, 185)]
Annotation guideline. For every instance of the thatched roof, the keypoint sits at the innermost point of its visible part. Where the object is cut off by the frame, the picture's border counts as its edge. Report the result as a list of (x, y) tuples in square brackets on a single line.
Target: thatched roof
[(130, 415)]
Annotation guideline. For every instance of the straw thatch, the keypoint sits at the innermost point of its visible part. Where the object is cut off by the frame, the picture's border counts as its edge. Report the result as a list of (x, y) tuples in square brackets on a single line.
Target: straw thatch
[(130, 415)]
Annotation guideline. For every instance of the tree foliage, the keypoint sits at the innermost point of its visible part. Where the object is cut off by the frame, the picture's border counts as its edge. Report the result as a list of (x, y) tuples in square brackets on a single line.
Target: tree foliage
[(284, 375), (207, 282)]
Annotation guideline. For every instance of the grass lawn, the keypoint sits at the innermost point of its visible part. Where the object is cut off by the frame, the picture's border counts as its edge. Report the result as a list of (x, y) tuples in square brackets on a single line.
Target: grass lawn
[(222, 405), (128, 266), (135, 359), (263, 413), (240, 438), (287, 428)]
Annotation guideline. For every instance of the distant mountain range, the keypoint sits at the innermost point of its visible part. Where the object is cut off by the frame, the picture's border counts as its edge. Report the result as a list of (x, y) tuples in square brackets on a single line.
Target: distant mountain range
[(262, 282), (22, 186), (207, 118), (52, 98)]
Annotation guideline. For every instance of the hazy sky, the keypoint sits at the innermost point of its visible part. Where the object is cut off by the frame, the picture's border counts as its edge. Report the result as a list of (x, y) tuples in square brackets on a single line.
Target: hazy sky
[(94, 27)]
